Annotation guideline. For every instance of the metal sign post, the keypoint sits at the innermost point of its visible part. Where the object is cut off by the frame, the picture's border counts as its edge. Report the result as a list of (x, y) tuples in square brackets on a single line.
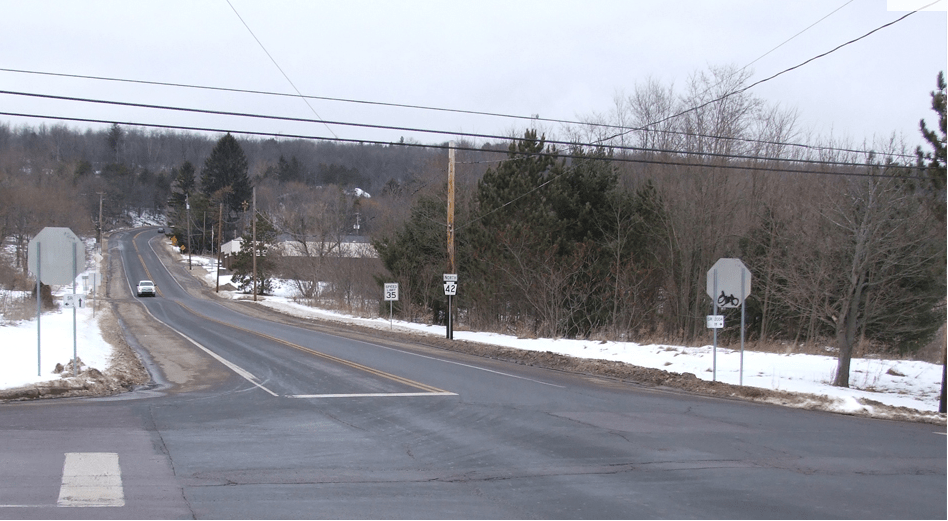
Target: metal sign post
[(743, 300), (39, 304), (733, 280), (450, 290), (75, 358), (714, 352), (64, 253), (391, 295)]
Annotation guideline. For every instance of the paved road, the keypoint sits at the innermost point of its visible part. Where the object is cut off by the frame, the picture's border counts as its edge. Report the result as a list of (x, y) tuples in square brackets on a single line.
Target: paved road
[(291, 422)]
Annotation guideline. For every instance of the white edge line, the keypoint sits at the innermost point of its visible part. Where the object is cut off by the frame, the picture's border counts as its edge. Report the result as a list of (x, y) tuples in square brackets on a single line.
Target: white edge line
[(243, 373), (459, 363), (369, 395), (252, 379)]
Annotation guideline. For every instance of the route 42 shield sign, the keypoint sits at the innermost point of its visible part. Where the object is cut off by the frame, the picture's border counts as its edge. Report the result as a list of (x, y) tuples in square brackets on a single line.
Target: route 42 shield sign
[(450, 289)]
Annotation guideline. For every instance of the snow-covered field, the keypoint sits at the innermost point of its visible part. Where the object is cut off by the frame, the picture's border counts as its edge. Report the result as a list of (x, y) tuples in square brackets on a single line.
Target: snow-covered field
[(904, 383), (25, 361)]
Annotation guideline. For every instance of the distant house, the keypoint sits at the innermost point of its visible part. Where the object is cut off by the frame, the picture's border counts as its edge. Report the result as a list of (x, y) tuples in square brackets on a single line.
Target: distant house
[(350, 247), (231, 247)]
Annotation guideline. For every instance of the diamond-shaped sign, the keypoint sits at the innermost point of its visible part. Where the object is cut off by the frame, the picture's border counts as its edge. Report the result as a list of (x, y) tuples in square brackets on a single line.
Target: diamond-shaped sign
[(50, 255)]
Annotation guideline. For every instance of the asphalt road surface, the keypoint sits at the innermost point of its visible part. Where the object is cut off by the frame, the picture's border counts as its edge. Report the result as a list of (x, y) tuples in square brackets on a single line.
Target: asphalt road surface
[(250, 418)]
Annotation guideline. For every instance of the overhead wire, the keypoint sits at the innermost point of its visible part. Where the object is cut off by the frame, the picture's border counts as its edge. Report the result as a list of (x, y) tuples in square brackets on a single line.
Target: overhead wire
[(752, 85), (443, 109), (831, 13), (767, 142), (626, 148), (272, 59), (600, 142), (581, 156)]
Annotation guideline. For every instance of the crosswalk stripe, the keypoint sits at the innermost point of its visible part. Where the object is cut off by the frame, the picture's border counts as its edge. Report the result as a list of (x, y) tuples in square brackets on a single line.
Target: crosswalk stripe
[(91, 479)]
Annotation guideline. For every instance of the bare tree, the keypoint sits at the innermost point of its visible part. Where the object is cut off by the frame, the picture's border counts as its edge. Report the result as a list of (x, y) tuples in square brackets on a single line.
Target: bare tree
[(890, 265), (863, 266)]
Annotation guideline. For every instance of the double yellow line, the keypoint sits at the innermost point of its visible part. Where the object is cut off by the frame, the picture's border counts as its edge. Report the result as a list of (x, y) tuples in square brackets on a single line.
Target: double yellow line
[(354, 365), (142, 260)]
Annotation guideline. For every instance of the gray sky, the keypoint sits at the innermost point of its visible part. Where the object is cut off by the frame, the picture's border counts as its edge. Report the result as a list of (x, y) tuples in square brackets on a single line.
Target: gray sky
[(557, 59)]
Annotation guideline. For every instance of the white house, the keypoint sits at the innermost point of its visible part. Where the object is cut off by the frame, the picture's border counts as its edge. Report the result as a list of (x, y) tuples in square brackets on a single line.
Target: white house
[(231, 247), (352, 247)]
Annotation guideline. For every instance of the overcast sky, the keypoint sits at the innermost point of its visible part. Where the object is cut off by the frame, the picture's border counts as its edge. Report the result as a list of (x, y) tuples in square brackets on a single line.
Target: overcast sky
[(555, 59)]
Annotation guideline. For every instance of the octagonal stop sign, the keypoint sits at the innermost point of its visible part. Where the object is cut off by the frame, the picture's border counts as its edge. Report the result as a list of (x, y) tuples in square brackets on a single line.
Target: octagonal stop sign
[(51, 254), (729, 293)]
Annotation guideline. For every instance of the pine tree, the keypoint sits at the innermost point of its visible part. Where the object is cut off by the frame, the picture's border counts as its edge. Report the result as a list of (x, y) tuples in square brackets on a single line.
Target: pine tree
[(226, 168), (289, 171), (184, 180), (243, 261), (934, 162)]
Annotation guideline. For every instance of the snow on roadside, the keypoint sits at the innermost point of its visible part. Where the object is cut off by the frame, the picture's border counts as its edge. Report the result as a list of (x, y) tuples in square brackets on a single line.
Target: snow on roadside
[(899, 383), (18, 344)]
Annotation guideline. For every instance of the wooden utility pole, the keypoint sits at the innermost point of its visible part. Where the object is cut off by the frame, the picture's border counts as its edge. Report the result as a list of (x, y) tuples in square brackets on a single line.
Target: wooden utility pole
[(452, 268), (220, 242), (187, 205), (451, 265), (99, 242), (253, 220)]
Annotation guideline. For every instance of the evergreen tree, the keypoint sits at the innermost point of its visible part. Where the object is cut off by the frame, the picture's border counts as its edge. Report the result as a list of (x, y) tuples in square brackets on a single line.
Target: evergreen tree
[(416, 256), (184, 179), (243, 261), (934, 161), (226, 169), (289, 171), (114, 139), (515, 239)]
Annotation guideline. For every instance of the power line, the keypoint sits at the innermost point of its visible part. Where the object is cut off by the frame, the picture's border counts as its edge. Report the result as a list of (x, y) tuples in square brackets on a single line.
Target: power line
[(278, 66), (420, 130), (752, 85), (774, 49), (625, 128), (798, 34), (623, 159)]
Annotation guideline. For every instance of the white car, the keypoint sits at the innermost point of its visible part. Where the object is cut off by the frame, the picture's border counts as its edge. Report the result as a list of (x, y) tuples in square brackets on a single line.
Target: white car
[(145, 287)]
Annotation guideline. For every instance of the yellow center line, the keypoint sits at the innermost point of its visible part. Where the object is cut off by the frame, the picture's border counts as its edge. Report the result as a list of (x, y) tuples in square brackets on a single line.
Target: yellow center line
[(142, 260), (354, 365)]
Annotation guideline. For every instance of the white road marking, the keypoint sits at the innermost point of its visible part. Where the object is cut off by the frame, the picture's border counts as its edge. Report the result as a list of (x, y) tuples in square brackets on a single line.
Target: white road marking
[(459, 363), (243, 373), (91, 479), (368, 395)]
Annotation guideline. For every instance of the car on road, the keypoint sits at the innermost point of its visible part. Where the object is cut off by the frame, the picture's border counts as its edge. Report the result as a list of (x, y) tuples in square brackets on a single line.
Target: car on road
[(145, 288), (161, 230)]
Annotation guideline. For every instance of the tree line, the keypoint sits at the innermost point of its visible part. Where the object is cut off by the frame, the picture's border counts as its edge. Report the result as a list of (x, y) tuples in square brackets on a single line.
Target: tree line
[(613, 242)]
